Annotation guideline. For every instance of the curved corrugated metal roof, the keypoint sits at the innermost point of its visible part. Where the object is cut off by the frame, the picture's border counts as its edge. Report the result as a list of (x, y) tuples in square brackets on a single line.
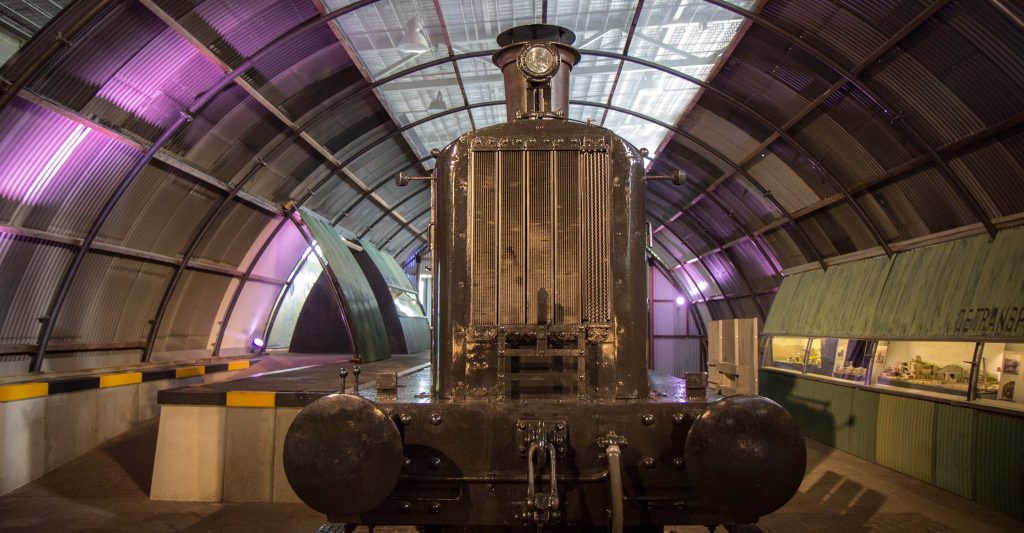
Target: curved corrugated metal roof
[(829, 131)]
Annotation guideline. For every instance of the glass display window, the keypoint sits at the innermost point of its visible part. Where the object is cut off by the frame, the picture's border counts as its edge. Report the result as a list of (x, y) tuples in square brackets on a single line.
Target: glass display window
[(787, 352), (999, 372), (941, 367), (847, 359)]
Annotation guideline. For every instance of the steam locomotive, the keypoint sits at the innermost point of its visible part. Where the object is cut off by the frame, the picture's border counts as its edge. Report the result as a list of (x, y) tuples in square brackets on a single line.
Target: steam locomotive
[(539, 411)]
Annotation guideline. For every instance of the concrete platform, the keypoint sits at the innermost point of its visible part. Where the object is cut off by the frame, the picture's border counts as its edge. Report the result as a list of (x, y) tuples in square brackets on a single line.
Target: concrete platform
[(107, 490), (222, 441)]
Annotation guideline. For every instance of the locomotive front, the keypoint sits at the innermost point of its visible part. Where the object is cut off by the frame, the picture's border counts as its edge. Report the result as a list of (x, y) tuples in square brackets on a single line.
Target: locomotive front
[(539, 399)]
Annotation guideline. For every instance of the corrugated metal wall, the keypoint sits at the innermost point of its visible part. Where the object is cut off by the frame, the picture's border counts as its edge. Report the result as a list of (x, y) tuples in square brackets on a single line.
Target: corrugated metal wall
[(917, 294), (362, 311), (965, 450), (676, 343)]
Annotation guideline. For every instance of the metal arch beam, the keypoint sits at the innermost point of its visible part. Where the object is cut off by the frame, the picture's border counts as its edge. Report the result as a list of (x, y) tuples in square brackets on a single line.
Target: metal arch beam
[(710, 149), (696, 224), (682, 133), (778, 133), (887, 110), (729, 214), (673, 278), (413, 241), (705, 85), (241, 284), (377, 187), (416, 236), (335, 284), (61, 38), (398, 204), (185, 116), (679, 263), (215, 214), (714, 280)]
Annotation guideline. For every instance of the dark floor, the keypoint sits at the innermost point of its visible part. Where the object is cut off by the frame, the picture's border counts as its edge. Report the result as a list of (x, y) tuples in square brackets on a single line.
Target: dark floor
[(106, 490)]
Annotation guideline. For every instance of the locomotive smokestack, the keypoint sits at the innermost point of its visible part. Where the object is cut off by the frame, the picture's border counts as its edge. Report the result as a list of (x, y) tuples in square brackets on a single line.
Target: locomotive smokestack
[(535, 61)]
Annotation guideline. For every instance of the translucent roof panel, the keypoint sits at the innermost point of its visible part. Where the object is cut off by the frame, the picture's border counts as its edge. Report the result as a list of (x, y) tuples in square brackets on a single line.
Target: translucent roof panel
[(598, 24), (379, 32), (640, 132), (583, 113), (482, 80), (438, 133), (424, 93), (489, 116), (593, 78), (390, 36), (473, 24), (656, 94), (683, 33)]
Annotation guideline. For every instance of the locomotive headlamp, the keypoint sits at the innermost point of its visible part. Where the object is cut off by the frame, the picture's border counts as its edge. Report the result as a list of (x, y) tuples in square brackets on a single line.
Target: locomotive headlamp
[(538, 61)]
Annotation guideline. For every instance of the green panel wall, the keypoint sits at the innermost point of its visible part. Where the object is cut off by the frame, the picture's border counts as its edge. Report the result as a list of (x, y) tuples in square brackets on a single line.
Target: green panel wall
[(838, 301), (999, 463), (361, 310), (967, 451), (921, 294), (954, 443), (416, 330), (864, 424), (905, 435)]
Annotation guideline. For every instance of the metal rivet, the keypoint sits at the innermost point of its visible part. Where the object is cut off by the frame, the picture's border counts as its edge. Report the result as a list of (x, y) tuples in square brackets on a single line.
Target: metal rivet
[(405, 419), (648, 462), (648, 419), (435, 462), (404, 506), (435, 507), (435, 419), (678, 418), (679, 462), (406, 461)]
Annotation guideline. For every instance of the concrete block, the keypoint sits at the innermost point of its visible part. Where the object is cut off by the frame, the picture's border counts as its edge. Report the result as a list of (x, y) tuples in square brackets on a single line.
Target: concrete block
[(189, 454), (23, 448), (70, 426), (248, 454), (283, 492), (148, 408), (118, 411)]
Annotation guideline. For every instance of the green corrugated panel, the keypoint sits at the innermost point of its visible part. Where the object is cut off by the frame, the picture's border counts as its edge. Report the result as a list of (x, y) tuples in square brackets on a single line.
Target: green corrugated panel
[(389, 268), (836, 303), (954, 438), (416, 330), (417, 333), (935, 283), (918, 294), (906, 429), (361, 310), (999, 463), (927, 287), (838, 403), (777, 387), (864, 424)]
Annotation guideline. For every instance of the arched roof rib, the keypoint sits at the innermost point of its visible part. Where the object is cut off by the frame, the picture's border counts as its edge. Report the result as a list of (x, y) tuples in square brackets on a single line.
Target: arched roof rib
[(830, 132)]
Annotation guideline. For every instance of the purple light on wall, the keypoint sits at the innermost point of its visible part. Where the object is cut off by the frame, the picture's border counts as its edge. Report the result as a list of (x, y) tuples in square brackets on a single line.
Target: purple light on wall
[(56, 161)]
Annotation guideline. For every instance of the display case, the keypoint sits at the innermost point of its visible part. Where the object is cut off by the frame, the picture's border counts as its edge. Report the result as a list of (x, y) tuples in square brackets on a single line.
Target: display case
[(938, 367), (999, 373), (786, 352)]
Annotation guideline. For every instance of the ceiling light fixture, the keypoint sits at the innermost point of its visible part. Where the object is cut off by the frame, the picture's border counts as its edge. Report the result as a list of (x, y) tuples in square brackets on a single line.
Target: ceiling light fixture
[(413, 40)]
